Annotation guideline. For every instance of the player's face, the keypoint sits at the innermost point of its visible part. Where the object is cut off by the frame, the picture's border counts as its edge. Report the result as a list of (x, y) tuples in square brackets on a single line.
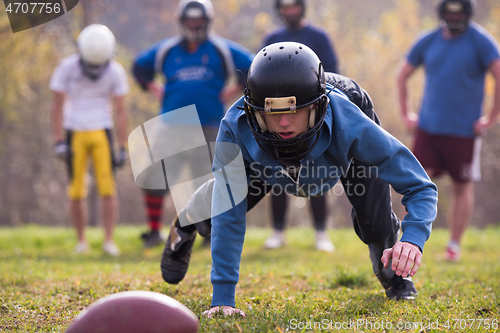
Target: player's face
[(292, 14), (455, 21), (195, 24), (288, 125)]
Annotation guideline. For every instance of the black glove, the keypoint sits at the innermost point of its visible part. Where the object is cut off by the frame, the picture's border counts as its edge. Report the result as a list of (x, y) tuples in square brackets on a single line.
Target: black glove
[(120, 158), (61, 149)]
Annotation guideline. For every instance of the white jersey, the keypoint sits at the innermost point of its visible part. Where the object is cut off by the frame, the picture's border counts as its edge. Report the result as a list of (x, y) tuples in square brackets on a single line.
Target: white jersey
[(88, 102)]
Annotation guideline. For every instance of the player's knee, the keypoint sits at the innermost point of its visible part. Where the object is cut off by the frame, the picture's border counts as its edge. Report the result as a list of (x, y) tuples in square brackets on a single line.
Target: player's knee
[(77, 192), (107, 190)]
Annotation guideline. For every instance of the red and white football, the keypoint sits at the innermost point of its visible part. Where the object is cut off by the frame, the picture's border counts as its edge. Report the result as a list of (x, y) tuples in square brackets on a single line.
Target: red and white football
[(135, 312)]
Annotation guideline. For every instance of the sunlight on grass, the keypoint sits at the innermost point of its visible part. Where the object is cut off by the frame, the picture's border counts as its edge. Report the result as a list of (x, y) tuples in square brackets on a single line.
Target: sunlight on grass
[(350, 279)]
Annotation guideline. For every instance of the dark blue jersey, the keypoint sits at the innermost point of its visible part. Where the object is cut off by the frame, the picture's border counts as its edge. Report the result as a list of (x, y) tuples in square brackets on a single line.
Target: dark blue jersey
[(312, 37), (455, 71)]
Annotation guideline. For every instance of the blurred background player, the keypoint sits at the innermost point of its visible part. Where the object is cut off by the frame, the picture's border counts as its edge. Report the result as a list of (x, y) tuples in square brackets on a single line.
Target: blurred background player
[(83, 85), (198, 68), (297, 28), (456, 56)]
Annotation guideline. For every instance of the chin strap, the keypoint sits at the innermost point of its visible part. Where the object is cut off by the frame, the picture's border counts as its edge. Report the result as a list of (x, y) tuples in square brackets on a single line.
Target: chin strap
[(312, 117)]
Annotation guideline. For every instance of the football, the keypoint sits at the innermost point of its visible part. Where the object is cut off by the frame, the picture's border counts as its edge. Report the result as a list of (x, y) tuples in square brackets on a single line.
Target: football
[(134, 312)]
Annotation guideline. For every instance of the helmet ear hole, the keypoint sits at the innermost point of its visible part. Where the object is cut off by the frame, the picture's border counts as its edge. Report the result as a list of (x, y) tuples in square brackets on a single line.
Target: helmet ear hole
[(312, 117), (260, 120)]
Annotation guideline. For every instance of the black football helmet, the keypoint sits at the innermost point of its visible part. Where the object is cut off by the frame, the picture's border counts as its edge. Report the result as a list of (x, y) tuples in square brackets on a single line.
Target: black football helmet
[(282, 3), (195, 9), (282, 78), (456, 6)]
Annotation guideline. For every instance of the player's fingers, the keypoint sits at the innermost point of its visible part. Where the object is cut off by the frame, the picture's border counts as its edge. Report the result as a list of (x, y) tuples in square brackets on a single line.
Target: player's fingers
[(211, 312), (228, 311), (403, 259), (418, 259), (386, 256), (410, 261), (396, 253)]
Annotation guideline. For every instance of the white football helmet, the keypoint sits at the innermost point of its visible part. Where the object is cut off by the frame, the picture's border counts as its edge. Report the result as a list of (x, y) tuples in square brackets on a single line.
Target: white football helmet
[(96, 45)]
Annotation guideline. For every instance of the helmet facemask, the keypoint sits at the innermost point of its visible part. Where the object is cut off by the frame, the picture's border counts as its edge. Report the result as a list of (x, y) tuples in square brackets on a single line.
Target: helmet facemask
[(456, 14), (291, 12), (93, 72), (195, 18), (295, 148), (198, 33)]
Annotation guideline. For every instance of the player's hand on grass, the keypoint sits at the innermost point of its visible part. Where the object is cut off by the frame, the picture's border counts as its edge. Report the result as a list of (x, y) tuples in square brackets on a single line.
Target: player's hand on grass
[(225, 310), (406, 258)]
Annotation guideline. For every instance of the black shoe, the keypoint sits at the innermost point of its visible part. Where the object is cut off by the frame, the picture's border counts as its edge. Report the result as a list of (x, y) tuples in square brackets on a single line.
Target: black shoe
[(395, 286), (176, 255), (400, 288), (152, 238)]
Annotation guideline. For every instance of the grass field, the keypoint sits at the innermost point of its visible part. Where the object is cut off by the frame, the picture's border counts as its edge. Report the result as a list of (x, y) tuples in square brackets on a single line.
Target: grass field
[(43, 285)]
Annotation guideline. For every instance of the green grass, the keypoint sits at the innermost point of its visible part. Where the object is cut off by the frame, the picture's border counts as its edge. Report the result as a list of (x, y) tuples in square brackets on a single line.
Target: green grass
[(43, 286)]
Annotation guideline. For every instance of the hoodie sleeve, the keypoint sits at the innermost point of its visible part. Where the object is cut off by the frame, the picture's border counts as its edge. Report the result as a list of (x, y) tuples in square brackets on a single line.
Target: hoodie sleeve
[(229, 207), (392, 162)]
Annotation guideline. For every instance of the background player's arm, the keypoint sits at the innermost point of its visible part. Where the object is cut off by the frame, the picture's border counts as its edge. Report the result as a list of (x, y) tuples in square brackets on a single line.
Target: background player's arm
[(121, 119), (157, 89), (485, 122), (405, 70), (57, 115), (242, 58), (230, 92), (143, 70)]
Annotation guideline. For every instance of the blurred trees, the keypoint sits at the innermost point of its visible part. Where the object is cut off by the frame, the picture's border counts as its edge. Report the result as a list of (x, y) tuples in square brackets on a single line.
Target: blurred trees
[(33, 182), (370, 37), (25, 141)]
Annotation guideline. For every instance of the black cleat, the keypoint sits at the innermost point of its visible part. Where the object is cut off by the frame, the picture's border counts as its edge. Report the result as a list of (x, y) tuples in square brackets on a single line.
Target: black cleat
[(176, 255), (400, 288), (396, 287), (152, 238)]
